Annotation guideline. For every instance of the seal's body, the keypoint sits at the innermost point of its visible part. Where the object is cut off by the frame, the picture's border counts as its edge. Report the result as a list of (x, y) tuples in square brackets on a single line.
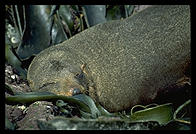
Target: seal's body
[(121, 63)]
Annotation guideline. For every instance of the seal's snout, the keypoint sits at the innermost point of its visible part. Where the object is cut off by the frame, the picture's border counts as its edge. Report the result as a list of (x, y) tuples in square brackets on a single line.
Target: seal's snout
[(71, 92), (76, 91)]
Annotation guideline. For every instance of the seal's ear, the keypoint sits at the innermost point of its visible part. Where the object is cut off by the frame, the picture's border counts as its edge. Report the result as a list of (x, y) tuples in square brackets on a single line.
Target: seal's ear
[(84, 68)]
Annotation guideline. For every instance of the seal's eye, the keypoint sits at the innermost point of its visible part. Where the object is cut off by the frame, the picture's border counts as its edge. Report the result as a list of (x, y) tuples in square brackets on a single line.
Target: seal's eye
[(76, 91), (79, 76)]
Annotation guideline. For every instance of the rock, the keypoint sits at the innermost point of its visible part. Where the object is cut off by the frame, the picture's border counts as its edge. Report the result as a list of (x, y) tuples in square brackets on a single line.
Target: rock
[(37, 110), (119, 63), (13, 113), (60, 123)]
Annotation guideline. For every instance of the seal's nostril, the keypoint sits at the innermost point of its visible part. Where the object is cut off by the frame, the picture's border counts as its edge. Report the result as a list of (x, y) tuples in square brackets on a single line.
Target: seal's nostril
[(76, 91)]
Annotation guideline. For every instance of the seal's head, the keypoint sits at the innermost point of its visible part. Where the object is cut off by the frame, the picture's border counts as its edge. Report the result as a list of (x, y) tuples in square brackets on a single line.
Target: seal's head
[(58, 77)]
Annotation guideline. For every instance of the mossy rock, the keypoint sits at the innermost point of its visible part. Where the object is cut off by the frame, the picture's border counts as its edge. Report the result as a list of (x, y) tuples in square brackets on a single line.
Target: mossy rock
[(119, 63)]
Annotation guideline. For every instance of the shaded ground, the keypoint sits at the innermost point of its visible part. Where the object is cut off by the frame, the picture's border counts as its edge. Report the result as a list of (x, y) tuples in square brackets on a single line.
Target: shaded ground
[(25, 117)]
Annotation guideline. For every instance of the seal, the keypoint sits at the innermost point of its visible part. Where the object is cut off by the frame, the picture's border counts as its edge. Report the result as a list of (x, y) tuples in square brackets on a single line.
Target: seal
[(119, 63)]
